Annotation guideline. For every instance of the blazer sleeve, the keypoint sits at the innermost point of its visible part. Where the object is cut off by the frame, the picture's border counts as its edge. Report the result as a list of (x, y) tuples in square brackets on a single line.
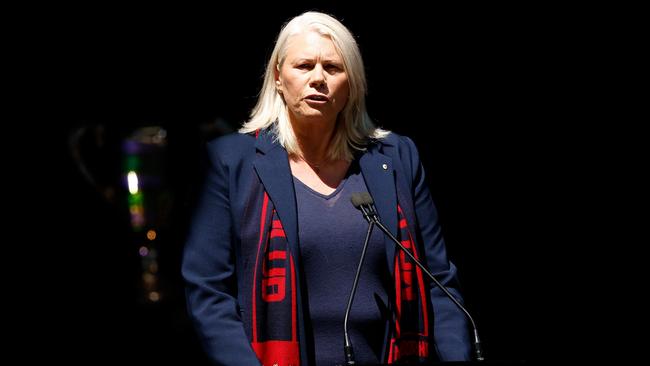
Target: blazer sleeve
[(208, 268), (450, 324)]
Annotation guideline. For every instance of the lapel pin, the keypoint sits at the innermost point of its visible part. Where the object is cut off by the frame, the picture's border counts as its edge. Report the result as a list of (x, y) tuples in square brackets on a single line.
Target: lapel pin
[(385, 166)]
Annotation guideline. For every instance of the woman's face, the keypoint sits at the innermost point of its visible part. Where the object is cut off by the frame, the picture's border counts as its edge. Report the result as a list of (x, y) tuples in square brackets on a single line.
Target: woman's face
[(311, 79)]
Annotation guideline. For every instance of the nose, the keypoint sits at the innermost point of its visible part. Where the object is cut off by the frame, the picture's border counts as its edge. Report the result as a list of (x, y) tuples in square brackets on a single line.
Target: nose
[(317, 76)]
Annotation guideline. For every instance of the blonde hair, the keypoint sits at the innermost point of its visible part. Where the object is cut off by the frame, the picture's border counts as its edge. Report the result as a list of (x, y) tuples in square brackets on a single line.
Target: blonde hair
[(354, 126)]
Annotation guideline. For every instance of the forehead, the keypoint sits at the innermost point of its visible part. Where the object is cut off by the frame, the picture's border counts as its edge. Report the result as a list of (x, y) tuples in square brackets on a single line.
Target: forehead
[(310, 45)]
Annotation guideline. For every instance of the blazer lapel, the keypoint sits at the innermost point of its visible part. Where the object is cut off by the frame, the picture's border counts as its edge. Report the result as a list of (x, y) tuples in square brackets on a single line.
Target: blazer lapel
[(378, 173), (272, 166)]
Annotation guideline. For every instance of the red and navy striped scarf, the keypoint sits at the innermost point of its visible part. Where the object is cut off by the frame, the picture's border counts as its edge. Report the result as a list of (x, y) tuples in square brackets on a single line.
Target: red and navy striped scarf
[(274, 298), (274, 307), (410, 340)]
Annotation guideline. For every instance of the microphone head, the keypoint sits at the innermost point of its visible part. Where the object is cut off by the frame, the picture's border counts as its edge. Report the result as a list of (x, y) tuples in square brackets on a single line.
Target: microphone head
[(367, 198), (357, 199), (361, 199)]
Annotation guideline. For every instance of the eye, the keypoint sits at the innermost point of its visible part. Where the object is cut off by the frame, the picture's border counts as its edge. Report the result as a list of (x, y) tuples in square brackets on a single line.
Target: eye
[(332, 68), (304, 66)]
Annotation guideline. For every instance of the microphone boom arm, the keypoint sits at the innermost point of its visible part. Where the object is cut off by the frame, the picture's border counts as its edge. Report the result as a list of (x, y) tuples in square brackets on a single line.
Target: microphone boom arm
[(478, 352), (349, 351)]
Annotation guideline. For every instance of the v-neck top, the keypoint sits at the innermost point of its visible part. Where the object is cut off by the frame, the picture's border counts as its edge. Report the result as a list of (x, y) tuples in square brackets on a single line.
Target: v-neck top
[(331, 234)]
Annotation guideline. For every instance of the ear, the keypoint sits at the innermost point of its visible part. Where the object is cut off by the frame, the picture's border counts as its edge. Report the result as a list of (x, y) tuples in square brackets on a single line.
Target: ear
[(278, 79), (276, 72)]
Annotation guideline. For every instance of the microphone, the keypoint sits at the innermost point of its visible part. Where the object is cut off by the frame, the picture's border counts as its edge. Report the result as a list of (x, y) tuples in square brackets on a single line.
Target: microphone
[(365, 203), (358, 202)]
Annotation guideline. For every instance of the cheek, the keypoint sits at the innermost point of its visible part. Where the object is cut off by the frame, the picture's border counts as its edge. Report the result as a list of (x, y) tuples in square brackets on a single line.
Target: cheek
[(291, 83), (291, 92), (343, 91)]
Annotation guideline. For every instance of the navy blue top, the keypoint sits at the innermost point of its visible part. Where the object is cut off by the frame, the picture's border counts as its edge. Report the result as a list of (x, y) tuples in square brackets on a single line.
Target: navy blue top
[(331, 234)]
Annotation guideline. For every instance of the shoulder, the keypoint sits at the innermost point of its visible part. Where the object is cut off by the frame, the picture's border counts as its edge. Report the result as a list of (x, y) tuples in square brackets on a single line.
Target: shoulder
[(403, 152), (397, 144), (231, 141), (233, 146)]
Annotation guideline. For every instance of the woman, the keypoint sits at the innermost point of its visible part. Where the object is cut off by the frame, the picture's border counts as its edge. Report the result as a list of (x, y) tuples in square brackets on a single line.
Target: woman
[(274, 245)]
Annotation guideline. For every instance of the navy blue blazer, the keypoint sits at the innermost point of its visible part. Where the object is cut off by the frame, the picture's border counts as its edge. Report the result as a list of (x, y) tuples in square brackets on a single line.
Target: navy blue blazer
[(212, 260)]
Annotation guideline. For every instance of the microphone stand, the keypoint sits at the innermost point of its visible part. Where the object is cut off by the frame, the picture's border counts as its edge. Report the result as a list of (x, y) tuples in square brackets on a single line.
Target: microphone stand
[(348, 349), (372, 213)]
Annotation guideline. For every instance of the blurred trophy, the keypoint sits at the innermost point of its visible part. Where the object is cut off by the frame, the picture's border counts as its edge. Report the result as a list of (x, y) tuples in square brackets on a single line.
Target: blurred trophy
[(148, 199), (139, 158)]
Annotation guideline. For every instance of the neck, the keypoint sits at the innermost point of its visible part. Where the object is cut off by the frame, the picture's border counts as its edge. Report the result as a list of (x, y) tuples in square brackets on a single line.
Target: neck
[(314, 140)]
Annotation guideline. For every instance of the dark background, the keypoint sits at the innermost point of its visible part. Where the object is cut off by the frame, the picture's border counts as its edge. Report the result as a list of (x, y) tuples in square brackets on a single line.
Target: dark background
[(488, 93)]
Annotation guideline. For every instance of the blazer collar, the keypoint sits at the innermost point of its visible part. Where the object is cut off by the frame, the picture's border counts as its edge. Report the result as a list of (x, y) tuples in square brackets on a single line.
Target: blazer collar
[(272, 167), (265, 141)]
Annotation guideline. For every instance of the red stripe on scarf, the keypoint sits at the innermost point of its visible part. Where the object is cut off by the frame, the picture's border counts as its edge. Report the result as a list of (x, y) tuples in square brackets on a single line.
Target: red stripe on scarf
[(408, 342), (423, 299), (294, 318), (265, 204), (281, 353)]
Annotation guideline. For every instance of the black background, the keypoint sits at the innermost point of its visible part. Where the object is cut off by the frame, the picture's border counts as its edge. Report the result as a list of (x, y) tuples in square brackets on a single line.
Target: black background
[(488, 93)]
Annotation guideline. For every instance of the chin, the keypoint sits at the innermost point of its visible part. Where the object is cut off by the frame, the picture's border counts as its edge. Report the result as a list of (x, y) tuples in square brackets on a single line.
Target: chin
[(316, 116), (313, 113)]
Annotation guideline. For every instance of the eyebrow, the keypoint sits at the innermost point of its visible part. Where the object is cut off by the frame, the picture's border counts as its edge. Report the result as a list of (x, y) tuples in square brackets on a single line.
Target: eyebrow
[(304, 59)]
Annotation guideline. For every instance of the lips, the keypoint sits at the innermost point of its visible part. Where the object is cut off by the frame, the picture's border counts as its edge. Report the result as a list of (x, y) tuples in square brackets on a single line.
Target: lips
[(317, 98)]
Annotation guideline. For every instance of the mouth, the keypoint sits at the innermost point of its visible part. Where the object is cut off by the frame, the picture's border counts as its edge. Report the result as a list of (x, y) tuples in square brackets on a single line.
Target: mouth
[(317, 99)]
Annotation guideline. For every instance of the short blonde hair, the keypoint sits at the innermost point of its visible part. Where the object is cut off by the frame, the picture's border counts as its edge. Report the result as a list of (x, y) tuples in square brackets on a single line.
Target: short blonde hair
[(354, 126)]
